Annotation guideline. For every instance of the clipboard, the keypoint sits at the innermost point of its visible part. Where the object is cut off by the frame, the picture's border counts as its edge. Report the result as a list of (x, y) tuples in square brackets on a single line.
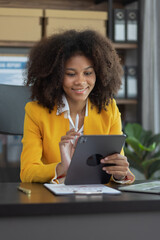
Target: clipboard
[(87, 190), (85, 166)]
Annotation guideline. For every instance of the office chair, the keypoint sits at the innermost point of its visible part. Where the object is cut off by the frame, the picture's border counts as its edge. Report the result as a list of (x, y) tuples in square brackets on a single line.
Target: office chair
[(12, 103)]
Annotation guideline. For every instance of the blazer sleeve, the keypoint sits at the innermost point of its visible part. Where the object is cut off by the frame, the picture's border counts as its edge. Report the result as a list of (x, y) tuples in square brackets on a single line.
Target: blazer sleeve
[(32, 167)]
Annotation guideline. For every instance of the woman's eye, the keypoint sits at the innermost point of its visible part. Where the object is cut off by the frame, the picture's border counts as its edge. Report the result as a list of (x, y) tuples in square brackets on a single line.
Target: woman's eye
[(87, 73), (70, 74)]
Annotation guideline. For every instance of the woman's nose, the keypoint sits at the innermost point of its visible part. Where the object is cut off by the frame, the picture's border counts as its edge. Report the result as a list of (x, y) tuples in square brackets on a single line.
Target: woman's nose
[(80, 79)]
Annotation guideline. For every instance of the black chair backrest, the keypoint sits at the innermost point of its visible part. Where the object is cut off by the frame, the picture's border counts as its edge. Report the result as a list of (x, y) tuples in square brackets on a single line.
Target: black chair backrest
[(12, 103)]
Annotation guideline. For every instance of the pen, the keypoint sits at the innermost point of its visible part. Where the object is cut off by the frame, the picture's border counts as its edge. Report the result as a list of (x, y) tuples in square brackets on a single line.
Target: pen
[(76, 122), (76, 126), (24, 190)]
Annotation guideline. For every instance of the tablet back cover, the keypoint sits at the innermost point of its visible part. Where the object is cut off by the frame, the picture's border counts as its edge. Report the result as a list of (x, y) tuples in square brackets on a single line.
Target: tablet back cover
[(85, 167)]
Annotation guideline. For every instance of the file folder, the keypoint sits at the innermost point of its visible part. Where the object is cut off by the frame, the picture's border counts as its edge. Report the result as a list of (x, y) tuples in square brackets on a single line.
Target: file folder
[(131, 81), (119, 25), (122, 90), (131, 25)]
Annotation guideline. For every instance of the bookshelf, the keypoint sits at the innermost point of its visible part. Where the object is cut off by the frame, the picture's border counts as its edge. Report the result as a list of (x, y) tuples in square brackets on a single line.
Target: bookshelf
[(130, 108)]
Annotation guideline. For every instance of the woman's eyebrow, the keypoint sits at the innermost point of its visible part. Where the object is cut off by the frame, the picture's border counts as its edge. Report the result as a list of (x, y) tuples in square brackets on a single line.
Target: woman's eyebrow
[(88, 67), (73, 69)]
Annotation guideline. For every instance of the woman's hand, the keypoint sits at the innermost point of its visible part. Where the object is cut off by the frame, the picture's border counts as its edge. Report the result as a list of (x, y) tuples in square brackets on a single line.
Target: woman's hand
[(120, 168), (67, 147)]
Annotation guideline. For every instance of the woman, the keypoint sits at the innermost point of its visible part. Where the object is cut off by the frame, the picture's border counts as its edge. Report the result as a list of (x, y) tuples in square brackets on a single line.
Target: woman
[(74, 76)]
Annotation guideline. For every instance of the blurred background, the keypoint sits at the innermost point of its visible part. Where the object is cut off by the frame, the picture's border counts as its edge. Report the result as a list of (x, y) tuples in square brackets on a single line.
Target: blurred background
[(133, 27)]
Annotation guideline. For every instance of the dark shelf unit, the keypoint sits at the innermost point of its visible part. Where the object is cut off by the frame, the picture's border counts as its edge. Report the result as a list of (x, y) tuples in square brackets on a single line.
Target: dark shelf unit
[(128, 46)]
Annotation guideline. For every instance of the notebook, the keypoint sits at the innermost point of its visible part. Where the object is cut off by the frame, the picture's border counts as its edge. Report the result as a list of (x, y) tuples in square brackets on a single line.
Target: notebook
[(91, 189), (147, 187)]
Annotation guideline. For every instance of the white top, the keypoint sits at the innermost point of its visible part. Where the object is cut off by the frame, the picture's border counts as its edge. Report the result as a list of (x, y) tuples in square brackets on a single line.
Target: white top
[(66, 111)]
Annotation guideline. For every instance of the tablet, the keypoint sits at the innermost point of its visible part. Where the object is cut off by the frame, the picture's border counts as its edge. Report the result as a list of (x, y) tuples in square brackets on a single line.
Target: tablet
[(85, 166), (146, 187)]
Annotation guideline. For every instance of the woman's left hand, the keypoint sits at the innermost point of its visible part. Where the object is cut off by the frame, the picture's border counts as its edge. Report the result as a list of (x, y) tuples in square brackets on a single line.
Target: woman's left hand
[(120, 169)]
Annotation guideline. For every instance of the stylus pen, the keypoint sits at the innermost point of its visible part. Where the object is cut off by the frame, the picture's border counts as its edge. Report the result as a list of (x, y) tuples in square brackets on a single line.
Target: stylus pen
[(76, 122), (76, 127), (24, 190)]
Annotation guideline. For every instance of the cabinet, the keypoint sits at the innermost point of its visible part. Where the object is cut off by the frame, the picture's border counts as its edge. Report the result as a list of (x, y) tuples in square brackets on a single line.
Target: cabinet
[(43, 16)]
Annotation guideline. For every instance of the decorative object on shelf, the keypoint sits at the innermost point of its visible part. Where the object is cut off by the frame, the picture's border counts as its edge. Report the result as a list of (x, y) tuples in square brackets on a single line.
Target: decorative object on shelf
[(142, 150)]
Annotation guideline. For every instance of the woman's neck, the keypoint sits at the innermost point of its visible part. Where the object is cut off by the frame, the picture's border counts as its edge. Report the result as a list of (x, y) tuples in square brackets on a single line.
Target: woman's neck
[(77, 108)]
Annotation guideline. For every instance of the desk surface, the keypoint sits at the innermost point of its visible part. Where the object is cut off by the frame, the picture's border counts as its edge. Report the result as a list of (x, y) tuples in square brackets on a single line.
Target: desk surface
[(43, 202)]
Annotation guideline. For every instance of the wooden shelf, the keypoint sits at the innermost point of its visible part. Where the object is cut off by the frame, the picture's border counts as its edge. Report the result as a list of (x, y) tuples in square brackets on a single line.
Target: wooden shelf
[(16, 44), (55, 4), (126, 101), (125, 45), (31, 44)]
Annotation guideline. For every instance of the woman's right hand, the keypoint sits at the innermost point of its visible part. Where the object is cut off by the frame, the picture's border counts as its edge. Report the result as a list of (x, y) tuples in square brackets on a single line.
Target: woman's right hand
[(67, 147)]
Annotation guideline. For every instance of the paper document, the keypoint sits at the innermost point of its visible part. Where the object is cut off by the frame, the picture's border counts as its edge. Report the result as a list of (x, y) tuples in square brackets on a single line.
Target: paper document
[(62, 189)]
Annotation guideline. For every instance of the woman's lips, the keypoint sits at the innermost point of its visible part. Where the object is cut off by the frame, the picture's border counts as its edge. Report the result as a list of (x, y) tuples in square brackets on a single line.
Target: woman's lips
[(80, 90)]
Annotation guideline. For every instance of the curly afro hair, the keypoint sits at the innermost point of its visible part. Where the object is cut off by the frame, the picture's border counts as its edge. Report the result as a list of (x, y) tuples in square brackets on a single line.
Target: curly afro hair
[(46, 67)]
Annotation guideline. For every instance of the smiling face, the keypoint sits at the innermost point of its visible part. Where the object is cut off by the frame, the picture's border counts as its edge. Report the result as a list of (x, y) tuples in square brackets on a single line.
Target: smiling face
[(79, 78)]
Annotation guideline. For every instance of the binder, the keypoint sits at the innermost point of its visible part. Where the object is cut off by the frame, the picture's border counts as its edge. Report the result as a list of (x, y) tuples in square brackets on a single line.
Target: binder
[(131, 25), (131, 82), (122, 90), (119, 25)]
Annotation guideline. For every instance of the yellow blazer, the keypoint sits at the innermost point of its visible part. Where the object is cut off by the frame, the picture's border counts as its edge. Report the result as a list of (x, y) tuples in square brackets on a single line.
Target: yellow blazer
[(43, 131)]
